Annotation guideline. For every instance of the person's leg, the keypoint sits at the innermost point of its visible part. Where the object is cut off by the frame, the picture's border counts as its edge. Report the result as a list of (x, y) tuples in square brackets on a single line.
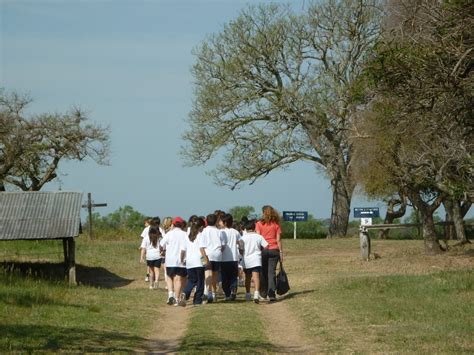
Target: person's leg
[(170, 282), (180, 283), (156, 271), (264, 274), (192, 280), (248, 278), (215, 274), (199, 285), (208, 282), (151, 276), (234, 279), (256, 282), (226, 270), (274, 257)]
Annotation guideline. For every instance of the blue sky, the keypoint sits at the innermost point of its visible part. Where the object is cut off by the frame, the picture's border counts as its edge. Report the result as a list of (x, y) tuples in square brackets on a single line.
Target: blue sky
[(127, 63)]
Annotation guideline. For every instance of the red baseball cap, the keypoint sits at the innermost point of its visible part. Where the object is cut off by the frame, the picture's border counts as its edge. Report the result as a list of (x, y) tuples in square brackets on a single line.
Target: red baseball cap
[(177, 220)]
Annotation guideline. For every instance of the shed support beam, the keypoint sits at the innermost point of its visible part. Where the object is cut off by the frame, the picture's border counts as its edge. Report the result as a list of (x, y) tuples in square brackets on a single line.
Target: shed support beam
[(71, 263)]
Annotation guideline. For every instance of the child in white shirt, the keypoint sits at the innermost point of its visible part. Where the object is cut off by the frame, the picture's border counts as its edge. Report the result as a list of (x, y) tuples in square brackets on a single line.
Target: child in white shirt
[(212, 244), (150, 249), (252, 244), (194, 261), (173, 242), (230, 257)]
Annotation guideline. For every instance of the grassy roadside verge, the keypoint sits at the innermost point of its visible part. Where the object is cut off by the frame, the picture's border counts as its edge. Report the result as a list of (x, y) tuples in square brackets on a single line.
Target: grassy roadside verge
[(39, 312), (402, 302)]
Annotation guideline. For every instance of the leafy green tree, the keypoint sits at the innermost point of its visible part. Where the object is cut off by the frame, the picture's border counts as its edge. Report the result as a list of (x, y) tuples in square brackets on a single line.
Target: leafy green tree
[(415, 133), (273, 88), (240, 211)]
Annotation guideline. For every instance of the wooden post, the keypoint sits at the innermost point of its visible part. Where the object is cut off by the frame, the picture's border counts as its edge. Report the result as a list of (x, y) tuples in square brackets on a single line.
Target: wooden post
[(72, 261), (294, 230), (66, 255), (89, 206), (364, 243)]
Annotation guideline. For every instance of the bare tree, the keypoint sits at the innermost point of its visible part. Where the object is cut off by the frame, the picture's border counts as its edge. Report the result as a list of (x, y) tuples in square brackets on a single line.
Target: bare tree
[(273, 88), (31, 148)]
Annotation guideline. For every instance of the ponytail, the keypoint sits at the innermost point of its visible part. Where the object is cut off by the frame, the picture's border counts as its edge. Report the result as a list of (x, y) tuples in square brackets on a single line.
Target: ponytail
[(196, 227), (154, 233)]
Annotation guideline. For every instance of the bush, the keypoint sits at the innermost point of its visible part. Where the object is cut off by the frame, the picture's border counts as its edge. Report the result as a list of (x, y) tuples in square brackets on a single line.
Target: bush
[(311, 229)]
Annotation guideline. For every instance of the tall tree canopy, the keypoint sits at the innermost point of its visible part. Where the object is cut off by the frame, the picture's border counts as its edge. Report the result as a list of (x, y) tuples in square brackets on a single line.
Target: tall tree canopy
[(273, 88), (418, 125), (31, 148)]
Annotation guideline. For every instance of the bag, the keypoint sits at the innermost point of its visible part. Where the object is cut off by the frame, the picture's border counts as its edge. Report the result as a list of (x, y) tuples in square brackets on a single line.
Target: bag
[(281, 281)]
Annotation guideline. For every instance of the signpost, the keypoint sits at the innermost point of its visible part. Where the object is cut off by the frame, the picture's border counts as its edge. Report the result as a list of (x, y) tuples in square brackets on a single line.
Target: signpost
[(295, 216), (89, 206), (365, 214)]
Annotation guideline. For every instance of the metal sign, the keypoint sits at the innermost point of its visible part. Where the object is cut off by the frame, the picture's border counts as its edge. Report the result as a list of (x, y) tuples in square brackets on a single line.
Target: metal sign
[(295, 216), (366, 212)]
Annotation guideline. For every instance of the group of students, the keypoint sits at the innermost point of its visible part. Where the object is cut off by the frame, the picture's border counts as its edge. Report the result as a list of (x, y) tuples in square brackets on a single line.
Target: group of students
[(195, 254)]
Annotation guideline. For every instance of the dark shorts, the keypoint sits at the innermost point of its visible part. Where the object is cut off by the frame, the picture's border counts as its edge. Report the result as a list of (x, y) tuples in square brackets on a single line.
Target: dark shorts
[(215, 265), (248, 272), (173, 271), (154, 263)]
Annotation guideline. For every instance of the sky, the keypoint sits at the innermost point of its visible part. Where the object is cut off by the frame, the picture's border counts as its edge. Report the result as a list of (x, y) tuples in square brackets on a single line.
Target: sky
[(127, 64)]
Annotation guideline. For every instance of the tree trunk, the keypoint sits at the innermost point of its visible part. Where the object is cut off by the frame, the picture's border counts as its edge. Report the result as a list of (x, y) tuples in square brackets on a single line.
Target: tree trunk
[(392, 214), (459, 223), (449, 232), (426, 211), (432, 246), (341, 208)]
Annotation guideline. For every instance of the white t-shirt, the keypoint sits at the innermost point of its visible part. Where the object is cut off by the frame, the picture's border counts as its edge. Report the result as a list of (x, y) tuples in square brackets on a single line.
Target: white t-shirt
[(152, 253), (193, 252), (253, 244), (145, 232), (212, 240), (174, 242), (231, 251)]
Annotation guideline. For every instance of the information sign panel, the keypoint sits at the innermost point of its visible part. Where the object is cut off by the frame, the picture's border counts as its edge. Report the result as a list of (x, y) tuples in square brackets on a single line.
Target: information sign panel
[(295, 216), (366, 212)]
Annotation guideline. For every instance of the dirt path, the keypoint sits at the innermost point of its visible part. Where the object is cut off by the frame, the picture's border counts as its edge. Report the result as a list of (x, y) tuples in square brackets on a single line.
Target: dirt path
[(284, 330), (167, 339), (170, 325)]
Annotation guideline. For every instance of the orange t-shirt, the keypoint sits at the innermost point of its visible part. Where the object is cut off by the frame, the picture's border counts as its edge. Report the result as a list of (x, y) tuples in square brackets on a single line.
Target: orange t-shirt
[(269, 232)]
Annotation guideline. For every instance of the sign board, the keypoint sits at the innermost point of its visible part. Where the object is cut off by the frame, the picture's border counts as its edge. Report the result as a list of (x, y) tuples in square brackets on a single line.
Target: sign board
[(295, 216), (366, 212)]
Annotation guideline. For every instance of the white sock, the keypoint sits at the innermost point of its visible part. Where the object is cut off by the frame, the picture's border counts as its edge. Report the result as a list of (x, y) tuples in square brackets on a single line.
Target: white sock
[(170, 294), (256, 294)]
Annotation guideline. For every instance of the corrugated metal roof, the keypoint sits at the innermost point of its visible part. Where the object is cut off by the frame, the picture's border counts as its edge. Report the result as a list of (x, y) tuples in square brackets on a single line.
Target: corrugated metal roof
[(39, 215)]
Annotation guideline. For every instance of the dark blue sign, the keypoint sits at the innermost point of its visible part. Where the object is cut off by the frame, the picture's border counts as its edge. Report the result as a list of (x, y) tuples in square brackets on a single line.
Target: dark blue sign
[(366, 212), (295, 216)]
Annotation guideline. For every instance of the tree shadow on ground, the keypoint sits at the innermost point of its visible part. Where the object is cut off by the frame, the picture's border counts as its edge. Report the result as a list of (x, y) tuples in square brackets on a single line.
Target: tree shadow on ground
[(40, 338), (85, 275), (225, 345)]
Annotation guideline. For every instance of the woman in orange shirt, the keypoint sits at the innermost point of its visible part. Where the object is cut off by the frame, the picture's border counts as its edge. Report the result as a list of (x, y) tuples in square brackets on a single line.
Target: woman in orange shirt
[(269, 228)]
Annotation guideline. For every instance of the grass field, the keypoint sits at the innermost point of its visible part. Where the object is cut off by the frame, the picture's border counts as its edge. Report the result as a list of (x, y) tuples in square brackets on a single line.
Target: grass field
[(401, 301)]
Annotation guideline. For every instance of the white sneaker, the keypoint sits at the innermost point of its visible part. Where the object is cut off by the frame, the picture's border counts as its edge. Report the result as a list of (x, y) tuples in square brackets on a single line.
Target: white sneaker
[(147, 278)]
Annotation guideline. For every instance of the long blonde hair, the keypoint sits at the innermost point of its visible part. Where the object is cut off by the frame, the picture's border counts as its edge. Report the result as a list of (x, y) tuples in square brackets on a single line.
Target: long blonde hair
[(270, 215), (167, 224)]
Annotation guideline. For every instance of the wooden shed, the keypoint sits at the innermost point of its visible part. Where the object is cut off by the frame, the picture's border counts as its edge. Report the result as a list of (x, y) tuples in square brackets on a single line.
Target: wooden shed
[(40, 216)]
